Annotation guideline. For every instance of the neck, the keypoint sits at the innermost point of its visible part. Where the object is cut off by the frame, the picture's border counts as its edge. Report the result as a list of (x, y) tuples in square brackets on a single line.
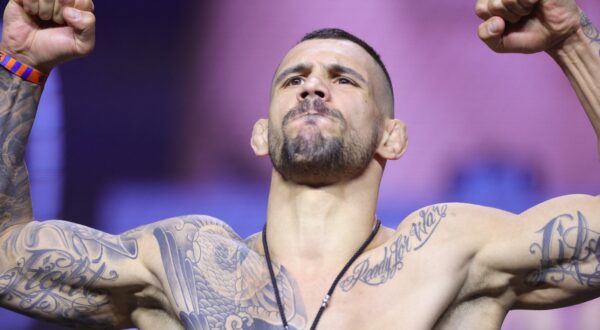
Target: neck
[(310, 227)]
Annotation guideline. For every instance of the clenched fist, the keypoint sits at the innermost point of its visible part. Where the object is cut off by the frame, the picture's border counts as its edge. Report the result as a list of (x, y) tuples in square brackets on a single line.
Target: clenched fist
[(526, 26), (44, 33)]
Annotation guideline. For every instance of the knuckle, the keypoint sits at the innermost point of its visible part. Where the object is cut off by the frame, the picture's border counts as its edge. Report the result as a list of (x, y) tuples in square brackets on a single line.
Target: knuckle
[(496, 7), (481, 9)]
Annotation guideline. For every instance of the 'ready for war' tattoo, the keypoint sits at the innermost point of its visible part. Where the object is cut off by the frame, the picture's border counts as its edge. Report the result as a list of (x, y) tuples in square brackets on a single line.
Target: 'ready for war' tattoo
[(377, 272), (569, 250)]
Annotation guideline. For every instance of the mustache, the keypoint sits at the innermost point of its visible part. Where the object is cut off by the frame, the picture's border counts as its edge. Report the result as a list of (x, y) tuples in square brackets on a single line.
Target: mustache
[(316, 105)]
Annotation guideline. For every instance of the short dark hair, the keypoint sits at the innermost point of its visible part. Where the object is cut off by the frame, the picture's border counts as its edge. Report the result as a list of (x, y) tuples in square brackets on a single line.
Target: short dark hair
[(335, 33)]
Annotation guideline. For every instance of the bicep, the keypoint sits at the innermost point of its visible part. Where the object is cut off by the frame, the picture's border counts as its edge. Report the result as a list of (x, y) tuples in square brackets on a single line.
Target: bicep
[(552, 252), (70, 273)]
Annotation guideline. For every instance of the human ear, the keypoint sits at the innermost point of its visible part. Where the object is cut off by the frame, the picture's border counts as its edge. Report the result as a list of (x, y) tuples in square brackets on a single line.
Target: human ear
[(394, 139), (260, 137)]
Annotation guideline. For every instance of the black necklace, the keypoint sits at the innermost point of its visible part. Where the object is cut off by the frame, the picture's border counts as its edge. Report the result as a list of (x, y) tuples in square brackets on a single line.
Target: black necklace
[(333, 285)]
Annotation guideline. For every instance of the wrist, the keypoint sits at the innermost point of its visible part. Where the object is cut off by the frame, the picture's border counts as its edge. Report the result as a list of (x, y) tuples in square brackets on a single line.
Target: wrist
[(26, 59), (22, 70), (574, 44), (585, 39)]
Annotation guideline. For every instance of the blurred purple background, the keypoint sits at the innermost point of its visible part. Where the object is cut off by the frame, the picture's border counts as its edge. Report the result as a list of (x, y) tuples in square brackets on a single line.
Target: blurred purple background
[(156, 122)]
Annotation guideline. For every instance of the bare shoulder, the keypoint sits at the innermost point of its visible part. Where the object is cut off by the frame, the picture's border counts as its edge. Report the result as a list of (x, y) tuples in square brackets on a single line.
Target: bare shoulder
[(212, 278), (165, 239), (452, 220), (191, 223)]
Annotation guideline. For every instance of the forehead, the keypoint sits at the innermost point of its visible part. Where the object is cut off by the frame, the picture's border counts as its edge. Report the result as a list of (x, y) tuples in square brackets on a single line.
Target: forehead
[(330, 51)]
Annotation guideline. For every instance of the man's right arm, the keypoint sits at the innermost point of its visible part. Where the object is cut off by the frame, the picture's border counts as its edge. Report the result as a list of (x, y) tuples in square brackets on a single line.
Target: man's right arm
[(56, 270)]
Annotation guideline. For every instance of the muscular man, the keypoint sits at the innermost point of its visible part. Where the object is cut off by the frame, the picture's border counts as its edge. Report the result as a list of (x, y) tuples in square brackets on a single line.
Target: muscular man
[(329, 134)]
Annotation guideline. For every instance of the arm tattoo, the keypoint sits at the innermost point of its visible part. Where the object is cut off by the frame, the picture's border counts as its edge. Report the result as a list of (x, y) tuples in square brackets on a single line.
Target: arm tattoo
[(569, 249), (589, 30), (18, 104), (217, 282), (63, 272), (376, 273)]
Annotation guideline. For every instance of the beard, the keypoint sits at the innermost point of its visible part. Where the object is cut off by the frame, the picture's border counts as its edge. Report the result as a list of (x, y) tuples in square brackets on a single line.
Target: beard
[(315, 160)]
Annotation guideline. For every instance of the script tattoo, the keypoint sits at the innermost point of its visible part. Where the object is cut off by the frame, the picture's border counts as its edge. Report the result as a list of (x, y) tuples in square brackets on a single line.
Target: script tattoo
[(378, 273), (217, 282), (61, 271), (589, 30), (569, 250)]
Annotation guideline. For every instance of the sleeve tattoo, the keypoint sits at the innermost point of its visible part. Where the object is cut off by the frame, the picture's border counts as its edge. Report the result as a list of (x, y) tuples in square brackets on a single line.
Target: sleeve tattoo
[(63, 272), (53, 270), (18, 105)]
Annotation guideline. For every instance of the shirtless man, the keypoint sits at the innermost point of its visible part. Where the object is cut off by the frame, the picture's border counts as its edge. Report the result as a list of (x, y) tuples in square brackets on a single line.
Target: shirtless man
[(329, 134)]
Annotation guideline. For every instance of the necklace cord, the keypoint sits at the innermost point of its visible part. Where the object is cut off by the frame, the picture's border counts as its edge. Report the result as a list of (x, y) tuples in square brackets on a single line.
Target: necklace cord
[(273, 280), (325, 302)]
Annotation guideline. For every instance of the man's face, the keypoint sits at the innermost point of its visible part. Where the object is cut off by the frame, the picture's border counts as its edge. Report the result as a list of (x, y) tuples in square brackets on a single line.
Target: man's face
[(324, 121)]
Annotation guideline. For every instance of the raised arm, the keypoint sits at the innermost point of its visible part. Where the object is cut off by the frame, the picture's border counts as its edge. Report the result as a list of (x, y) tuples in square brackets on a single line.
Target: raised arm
[(54, 270), (548, 256), (557, 27)]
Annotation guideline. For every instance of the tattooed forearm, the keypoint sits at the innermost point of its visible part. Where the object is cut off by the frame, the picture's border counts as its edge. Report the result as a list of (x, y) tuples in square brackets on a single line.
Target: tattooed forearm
[(589, 30), (377, 273), (63, 272), (569, 250), (18, 104)]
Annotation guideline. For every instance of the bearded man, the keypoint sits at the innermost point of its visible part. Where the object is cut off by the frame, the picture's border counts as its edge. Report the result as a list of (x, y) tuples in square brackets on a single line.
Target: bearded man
[(323, 259)]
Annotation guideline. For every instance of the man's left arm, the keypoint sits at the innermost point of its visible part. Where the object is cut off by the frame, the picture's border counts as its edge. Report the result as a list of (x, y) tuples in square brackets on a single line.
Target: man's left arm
[(545, 257), (557, 27)]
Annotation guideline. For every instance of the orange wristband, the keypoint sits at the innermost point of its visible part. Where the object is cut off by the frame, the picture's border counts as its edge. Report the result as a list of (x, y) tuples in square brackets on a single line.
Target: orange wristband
[(22, 70)]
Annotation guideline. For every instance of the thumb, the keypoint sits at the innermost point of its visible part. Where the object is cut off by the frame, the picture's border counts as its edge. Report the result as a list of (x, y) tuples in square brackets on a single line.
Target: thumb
[(83, 24), (491, 32)]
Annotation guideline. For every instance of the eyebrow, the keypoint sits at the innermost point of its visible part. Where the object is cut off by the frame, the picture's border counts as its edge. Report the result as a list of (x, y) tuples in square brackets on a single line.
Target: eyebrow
[(338, 68), (333, 68), (302, 67)]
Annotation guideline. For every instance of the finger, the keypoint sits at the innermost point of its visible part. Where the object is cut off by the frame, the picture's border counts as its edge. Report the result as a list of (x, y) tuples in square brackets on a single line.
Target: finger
[(496, 8), (31, 7), (527, 4), (57, 16), (84, 27), (46, 9), (491, 31), (86, 5), (517, 8), (481, 9)]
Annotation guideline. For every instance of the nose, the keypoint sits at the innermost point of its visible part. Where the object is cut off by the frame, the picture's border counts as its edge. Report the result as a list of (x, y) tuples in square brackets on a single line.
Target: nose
[(313, 87)]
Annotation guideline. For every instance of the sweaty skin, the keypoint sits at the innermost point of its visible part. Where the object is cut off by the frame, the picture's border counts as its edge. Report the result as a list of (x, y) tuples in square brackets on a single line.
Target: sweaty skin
[(447, 266)]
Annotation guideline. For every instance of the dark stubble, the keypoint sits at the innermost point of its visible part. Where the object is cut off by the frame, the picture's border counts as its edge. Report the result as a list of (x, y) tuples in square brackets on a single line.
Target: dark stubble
[(316, 160)]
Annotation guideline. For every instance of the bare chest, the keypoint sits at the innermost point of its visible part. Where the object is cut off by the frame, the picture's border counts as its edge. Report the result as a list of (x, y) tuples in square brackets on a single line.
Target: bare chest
[(212, 281)]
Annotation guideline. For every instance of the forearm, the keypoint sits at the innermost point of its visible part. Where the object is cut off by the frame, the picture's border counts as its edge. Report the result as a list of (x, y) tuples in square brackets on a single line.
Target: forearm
[(18, 104), (579, 57)]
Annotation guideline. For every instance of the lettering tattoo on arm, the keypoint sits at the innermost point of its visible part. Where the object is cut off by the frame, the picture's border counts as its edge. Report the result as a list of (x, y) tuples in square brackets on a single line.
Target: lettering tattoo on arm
[(569, 250), (64, 272), (18, 105), (589, 30), (380, 272)]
